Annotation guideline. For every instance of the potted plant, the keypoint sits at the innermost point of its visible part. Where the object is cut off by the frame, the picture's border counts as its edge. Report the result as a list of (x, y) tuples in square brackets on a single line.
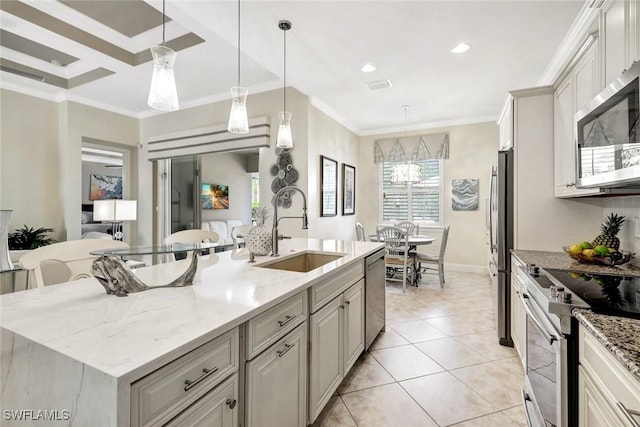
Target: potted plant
[(30, 238)]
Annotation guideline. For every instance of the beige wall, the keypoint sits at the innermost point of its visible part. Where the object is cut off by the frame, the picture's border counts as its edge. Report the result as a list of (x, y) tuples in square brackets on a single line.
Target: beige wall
[(330, 139), (473, 149)]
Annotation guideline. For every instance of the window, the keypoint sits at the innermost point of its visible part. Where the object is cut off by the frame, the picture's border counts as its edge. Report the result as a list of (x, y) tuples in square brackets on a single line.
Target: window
[(420, 202)]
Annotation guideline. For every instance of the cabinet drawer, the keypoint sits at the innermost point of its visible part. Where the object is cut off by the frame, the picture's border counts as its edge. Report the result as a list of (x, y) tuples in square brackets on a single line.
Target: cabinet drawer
[(328, 289), (218, 408), (163, 394), (615, 382), (268, 327)]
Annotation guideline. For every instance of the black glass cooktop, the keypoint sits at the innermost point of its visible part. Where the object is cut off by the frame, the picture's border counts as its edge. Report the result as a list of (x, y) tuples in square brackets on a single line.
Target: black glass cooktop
[(607, 294)]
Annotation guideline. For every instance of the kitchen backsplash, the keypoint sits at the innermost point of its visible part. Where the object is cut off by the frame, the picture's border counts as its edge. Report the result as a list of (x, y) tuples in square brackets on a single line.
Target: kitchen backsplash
[(629, 206)]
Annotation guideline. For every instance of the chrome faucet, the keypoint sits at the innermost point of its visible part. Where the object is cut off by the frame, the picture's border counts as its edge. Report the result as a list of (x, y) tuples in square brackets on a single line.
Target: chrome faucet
[(305, 221)]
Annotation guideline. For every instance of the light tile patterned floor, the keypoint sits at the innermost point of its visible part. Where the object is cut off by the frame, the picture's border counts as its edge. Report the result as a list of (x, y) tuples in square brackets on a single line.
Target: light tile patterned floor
[(438, 363)]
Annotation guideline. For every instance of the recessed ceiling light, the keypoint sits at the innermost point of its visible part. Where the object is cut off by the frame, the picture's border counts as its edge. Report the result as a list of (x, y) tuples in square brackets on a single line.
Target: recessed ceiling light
[(460, 48), (368, 68)]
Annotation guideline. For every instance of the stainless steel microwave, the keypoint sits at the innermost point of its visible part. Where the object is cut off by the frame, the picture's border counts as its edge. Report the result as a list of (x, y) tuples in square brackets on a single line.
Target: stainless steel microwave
[(608, 139)]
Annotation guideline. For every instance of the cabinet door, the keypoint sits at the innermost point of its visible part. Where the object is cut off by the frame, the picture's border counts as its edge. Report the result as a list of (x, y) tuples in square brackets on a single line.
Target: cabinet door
[(218, 408), (615, 29), (593, 409), (353, 324), (564, 156), (277, 383), (327, 363), (585, 79), (518, 317)]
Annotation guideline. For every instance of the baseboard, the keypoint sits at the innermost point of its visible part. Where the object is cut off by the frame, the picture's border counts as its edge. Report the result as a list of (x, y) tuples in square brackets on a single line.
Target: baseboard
[(464, 268)]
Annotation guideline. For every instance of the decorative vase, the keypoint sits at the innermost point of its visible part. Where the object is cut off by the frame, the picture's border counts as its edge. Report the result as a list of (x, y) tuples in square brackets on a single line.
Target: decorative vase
[(5, 260), (259, 240)]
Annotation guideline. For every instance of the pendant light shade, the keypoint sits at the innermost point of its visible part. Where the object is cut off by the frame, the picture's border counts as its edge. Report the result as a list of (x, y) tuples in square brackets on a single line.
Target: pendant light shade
[(162, 94), (238, 120), (285, 138)]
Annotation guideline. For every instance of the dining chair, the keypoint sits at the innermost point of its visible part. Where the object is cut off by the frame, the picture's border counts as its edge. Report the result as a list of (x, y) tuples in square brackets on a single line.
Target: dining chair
[(239, 233), (411, 228), (360, 236), (65, 261), (396, 245), (438, 260), (190, 236)]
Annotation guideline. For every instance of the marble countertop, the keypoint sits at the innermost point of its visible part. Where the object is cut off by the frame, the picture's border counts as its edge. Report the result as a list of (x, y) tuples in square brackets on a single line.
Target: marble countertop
[(127, 337), (562, 261), (618, 334)]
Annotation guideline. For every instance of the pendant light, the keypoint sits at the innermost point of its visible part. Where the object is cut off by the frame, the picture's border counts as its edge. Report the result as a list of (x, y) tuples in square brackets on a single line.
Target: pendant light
[(238, 121), (285, 139), (162, 94), (408, 172)]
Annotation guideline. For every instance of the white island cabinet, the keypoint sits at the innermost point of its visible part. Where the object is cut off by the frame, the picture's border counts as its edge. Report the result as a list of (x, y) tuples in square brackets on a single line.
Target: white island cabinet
[(229, 350)]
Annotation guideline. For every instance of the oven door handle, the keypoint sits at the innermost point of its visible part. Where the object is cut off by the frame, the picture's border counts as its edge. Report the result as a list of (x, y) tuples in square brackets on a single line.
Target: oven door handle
[(527, 307), (525, 399), (628, 414)]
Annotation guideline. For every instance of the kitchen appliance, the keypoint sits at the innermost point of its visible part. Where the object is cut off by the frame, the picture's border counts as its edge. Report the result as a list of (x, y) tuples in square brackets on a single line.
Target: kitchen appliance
[(374, 282), (549, 296), (501, 231), (608, 144)]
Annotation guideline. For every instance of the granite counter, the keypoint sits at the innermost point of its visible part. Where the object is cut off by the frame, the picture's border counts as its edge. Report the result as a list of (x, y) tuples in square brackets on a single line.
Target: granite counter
[(562, 261)]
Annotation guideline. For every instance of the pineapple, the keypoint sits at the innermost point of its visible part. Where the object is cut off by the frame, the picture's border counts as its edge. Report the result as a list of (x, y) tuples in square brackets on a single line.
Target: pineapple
[(610, 227)]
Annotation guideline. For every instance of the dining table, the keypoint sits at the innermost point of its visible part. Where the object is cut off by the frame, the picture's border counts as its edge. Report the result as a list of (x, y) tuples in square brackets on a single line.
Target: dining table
[(414, 241)]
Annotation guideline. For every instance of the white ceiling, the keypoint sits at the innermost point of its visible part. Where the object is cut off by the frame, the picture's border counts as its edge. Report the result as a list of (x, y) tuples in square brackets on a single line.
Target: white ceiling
[(409, 42)]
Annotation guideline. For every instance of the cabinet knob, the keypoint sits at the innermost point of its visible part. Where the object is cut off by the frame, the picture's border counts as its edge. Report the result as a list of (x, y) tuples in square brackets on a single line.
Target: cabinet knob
[(231, 403), (347, 302), (571, 184)]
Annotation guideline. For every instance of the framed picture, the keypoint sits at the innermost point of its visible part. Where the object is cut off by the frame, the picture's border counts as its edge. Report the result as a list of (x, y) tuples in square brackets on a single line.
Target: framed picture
[(348, 189), (464, 194), (214, 196), (105, 187), (328, 187)]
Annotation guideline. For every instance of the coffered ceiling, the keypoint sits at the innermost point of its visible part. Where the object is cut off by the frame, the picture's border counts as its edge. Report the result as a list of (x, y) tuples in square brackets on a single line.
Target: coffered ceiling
[(97, 52)]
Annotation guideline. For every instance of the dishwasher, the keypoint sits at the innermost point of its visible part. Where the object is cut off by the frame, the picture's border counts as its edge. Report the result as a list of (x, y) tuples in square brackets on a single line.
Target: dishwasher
[(374, 285)]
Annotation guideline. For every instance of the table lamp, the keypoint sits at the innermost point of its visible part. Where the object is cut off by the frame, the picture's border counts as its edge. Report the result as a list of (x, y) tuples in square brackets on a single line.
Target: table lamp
[(115, 211)]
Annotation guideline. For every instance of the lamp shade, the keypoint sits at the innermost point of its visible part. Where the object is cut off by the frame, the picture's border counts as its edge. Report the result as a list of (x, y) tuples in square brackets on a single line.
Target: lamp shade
[(285, 139), (238, 121), (406, 173), (162, 94), (115, 210)]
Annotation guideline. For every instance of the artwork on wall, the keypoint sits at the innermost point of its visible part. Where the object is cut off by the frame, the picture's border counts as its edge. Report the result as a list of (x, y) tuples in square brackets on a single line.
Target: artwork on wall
[(464, 194), (328, 187), (284, 175), (105, 187), (214, 196), (348, 189)]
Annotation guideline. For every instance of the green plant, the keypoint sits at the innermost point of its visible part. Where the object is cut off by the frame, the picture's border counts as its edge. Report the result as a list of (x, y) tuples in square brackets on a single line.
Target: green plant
[(30, 238)]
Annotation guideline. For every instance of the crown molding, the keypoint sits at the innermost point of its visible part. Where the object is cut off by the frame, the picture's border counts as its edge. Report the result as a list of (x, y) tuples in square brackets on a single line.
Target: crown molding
[(430, 125), (14, 87), (317, 103)]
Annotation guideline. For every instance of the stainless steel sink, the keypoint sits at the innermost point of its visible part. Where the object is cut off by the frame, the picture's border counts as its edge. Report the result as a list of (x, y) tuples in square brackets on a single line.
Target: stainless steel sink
[(302, 262)]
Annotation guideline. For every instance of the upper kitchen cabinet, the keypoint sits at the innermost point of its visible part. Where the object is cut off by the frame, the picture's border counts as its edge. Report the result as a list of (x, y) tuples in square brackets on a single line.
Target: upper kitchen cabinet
[(579, 86), (619, 41), (506, 127)]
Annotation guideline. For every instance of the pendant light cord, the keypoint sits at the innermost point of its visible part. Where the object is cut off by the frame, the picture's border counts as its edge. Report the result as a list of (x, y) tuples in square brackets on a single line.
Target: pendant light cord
[(164, 18), (285, 70), (238, 42)]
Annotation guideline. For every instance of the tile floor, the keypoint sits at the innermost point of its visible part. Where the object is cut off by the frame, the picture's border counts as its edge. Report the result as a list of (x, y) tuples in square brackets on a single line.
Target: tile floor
[(438, 363)]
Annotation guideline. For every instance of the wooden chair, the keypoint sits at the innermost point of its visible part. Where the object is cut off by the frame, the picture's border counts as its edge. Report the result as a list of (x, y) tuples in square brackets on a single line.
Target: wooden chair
[(411, 228), (239, 232), (396, 243), (65, 261), (190, 236), (360, 236), (438, 260)]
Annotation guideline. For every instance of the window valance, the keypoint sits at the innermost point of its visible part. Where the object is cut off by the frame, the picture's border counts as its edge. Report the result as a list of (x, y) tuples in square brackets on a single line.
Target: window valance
[(420, 147)]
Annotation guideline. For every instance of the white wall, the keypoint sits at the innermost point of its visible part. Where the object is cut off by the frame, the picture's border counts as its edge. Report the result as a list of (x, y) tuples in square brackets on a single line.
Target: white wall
[(628, 206), (472, 149), (228, 169), (330, 139)]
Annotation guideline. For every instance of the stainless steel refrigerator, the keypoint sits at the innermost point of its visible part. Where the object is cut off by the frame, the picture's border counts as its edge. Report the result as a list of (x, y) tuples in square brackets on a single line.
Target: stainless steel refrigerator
[(501, 241)]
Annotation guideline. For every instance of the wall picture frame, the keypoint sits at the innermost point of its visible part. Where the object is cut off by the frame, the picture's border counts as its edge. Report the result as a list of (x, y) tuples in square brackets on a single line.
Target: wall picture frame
[(348, 189), (214, 196), (105, 187), (328, 187)]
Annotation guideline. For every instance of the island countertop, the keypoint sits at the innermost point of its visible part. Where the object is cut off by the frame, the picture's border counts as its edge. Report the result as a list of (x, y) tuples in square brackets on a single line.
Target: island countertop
[(127, 337)]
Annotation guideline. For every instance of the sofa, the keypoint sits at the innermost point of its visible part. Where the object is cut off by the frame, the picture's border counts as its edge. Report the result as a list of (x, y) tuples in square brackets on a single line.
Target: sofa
[(223, 228)]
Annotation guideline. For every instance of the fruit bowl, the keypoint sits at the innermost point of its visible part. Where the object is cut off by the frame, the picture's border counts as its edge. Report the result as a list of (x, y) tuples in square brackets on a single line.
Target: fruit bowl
[(613, 258)]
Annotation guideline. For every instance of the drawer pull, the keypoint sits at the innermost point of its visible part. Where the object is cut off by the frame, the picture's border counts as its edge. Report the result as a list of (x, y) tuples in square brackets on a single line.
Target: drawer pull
[(628, 414), (231, 403), (284, 351), (206, 372), (347, 302), (286, 320)]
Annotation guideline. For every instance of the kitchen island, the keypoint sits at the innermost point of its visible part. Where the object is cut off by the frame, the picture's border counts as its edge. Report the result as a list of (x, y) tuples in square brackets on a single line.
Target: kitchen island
[(71, 347)]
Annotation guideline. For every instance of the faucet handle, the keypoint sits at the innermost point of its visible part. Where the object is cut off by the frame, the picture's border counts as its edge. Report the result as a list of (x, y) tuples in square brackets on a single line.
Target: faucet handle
[(252, 257), (281, 237)]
